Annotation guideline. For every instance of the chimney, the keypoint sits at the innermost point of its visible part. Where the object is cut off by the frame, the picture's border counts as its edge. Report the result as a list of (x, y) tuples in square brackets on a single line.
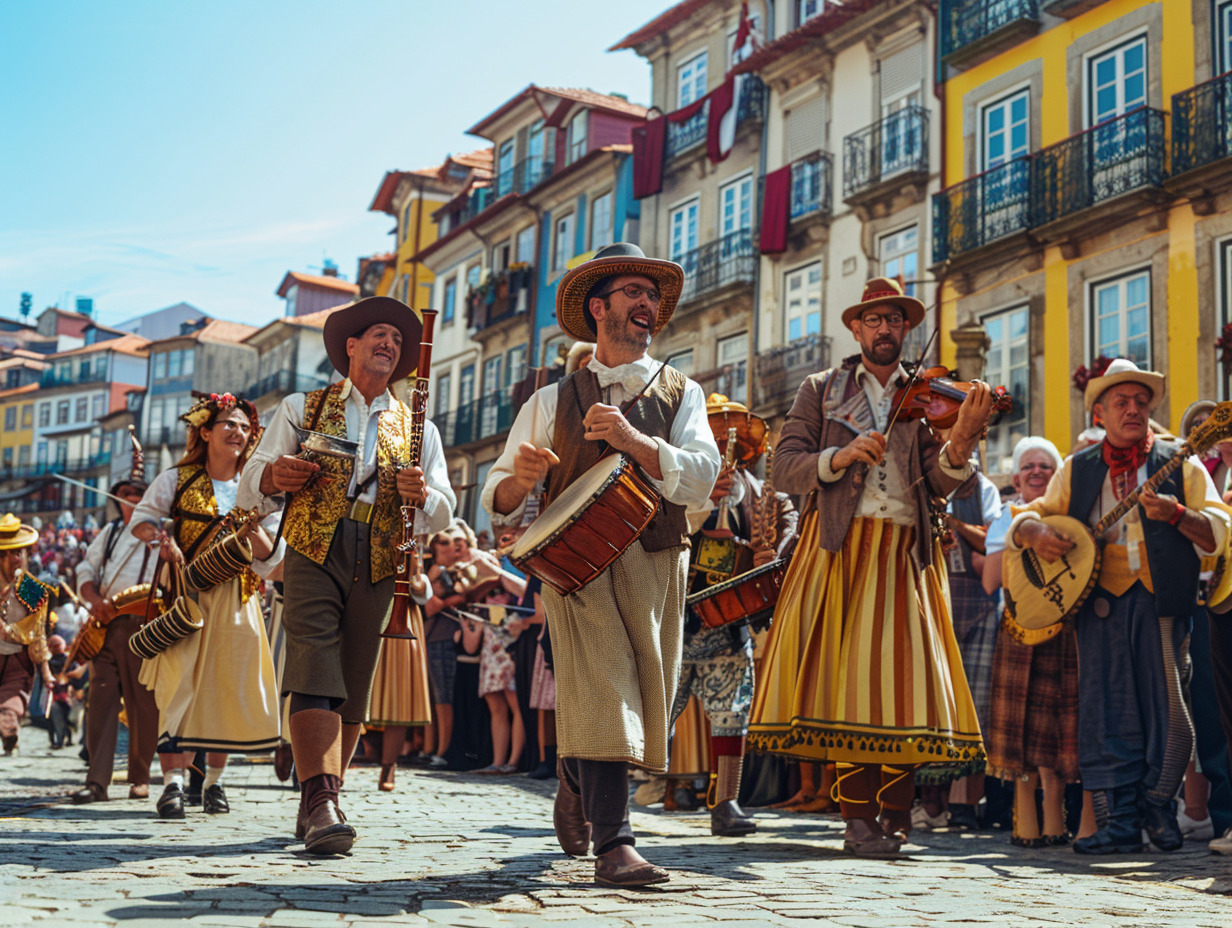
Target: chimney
[(329, 269)]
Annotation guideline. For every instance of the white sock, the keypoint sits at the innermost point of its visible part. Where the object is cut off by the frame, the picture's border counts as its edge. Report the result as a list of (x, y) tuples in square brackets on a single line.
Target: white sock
[(212, 775), (174, 775)]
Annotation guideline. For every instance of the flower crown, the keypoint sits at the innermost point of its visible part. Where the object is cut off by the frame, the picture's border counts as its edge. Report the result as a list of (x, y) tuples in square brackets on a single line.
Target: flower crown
[(205, 406)]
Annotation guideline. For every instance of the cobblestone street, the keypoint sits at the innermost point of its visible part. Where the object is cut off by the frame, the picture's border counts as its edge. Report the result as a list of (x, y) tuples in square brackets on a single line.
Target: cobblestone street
[(450, 849)]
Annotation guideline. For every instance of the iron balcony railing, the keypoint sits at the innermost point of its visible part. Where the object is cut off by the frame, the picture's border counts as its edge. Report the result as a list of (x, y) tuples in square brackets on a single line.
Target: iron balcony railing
[(964, 22), (525, 175), (781, 370), (811, 183), (685, 135), (284, 382), (1105, 161), (982, 209), (728, 260), (51, 379), (893, 145), (490, 416), (47, 468), (1202, 124)]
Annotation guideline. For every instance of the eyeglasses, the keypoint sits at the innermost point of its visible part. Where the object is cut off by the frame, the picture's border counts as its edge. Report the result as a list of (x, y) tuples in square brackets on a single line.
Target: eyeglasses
[(633, 291), (874, 320)]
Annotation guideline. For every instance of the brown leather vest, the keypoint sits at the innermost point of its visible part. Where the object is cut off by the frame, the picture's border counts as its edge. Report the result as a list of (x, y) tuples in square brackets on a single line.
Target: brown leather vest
[(652, 415)]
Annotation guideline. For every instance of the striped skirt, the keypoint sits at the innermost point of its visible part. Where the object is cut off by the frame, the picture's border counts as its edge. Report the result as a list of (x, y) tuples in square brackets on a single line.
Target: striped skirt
[(400, 686), (861, 665)]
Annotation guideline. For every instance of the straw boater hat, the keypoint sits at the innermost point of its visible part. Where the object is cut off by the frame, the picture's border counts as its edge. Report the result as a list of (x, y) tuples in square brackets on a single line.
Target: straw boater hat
[(1195, 409), (1124, 371), (882, 291), (725, 414), (14, 535), (352, 321), (622, 259)]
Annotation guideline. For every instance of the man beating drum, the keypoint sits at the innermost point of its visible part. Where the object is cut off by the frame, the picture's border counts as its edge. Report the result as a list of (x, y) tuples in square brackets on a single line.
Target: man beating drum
[(617, 640)]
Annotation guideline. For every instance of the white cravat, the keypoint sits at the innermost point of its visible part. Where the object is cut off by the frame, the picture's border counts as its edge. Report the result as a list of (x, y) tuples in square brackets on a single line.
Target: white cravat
[(631, 376)]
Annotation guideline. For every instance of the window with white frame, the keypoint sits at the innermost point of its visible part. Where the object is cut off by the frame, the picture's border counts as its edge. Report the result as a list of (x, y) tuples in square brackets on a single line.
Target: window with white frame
[(10, 419), (601, 221), (449, 301), (535, 148), (490, 405), (82, 409), (466, 385), (736, 206), (1004, 129), (492, 375), (42, 452), (62, 412), (515, 364), (1223, 36), (691, 80), (899, 253), (443, 384), (44, 415), (160, 365), (1008, 362), (526, 246), (23, 456), (188, 365), (174, 361), (682, 361), (1121, 318), (500, 256), (1116, 81), (562, 242), (807, 9), (682, 231), (802, 300), (504, 168), (577, 137), (733, 357), (99, 405)]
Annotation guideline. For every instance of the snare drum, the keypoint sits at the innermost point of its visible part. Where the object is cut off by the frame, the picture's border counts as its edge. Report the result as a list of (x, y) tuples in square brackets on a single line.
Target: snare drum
[(588, 526), (749, 596)]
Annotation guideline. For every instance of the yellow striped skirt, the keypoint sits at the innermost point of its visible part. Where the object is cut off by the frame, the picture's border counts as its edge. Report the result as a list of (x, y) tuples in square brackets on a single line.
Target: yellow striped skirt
[(862, 665)]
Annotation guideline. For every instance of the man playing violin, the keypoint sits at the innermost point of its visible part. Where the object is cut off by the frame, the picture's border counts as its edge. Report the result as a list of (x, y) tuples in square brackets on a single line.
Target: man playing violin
[(861, 667), (1134, 733), (616, 642)]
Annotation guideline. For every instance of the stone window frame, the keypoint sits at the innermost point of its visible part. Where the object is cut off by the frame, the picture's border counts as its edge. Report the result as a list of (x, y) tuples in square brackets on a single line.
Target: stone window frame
[(1146, 20), (1029, 75)]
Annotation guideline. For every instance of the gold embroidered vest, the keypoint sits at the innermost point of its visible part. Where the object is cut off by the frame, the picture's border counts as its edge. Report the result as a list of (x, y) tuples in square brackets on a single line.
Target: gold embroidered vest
[(27, 617), (196, 513), (314, 512)]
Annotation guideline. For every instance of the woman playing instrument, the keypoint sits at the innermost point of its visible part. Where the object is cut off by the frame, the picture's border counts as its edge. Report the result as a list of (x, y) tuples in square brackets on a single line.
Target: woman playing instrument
[(215, 689)]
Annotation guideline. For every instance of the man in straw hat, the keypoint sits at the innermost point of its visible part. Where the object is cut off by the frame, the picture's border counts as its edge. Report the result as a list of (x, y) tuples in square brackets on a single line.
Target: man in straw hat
[(342, 523), (116, 561), (24, 606), (861, 668), (1134, 735), (616, 642)]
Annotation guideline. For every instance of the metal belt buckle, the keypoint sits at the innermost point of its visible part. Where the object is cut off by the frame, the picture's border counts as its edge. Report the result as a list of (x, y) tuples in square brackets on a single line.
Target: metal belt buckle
[(360, 512)]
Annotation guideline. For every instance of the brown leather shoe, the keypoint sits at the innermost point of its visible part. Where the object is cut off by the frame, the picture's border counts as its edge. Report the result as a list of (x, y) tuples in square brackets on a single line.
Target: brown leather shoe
[(728, 820), (896, 823), (301, 824), (643, 873), (325, 831), (139, 791), (572, 829), (91, 792), (283, 760), (864, 838)]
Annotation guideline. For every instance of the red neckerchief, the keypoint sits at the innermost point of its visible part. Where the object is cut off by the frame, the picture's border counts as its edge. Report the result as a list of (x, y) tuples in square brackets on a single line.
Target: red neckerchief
[(1123, 463)]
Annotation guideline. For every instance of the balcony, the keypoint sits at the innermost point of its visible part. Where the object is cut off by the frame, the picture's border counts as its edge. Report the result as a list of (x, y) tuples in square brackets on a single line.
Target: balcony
[(683, 136), (811, 183), (49, 378), (284, 382), (888, 156), (503, 296), (490, 416), (67, 467), (982, 209), (727, 261), (524, 176), (1202, 134), (1105, 162), (1068, 9), (781, 370), (975, 30), (462, 210)]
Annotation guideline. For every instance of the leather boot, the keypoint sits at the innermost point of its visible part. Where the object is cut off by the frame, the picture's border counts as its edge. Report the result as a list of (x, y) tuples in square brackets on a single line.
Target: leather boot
[(325, 832), (642, 873), (1118, 818), (1161, 825), (728, 820), (316, 740), (864, 838), (283, 761), (572, 829)]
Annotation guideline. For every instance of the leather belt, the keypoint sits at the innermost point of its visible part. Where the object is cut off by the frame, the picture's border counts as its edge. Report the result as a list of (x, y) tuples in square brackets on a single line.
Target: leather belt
[(360, 512)]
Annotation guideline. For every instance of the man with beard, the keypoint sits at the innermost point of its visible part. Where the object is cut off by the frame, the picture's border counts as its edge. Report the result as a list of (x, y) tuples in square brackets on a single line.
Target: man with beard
[(861, 667), (616, 643), (1134, 733)]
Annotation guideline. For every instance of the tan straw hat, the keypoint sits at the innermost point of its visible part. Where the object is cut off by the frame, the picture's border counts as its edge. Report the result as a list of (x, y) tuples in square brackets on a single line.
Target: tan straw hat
[(352, 321), (1122, 370), (882, 291), (14, 534), (621, 259)]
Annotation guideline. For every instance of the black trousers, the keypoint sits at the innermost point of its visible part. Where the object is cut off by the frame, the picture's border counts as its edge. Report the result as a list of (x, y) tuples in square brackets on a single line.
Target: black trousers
[(604, 788), (1220, 629), (1210, 740)]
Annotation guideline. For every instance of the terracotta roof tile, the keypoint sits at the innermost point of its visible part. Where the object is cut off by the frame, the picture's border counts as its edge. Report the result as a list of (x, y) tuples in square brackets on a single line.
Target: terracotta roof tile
[(316, 280), (604, 100), (661, 23), (125, 344)]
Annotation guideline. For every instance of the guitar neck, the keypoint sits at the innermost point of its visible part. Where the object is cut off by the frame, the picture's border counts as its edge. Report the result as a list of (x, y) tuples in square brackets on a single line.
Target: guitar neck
[(1114, 515)]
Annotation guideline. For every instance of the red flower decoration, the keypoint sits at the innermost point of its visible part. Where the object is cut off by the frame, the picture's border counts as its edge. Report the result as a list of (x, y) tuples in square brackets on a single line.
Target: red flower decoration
[(1084, 375), (1224, 344)]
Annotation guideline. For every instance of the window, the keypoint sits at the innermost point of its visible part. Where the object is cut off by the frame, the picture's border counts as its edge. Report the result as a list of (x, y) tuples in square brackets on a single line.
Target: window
[(556, 349), (500, 256), (807, 9), (601, 222), (12, 378), (27, 416), (1121, 323), (683, 362), (490, 399), (1005, 130), (806, 128), (691, 80), (803, 301), (1116, 81), (443, 383), (42, 452), (189, 362), (733, 365), (160, 366), (534, 149), (44, 415), (682, 231), (515, 365), (10, 418), (466, 385), (100, 367), (736, 205), (1008, 363), (23, 456), (82, 411), (472, 276), (1223, 36), (899, 254), (577, 137), (504, 169), (174, 359), (99, 406), (62, 453), (526, 246), (156, 420), (292, 294), (449, 302), (562, 245), (62, 410), (64, 371), (406, 220), (492, 375)]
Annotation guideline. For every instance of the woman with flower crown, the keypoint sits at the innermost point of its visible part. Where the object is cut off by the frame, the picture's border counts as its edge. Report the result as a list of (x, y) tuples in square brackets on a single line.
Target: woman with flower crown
[(215, 689)]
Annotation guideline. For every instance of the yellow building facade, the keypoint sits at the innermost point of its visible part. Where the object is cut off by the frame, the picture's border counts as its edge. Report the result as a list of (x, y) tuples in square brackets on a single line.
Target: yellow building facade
[(1086, 208), (17, 434)]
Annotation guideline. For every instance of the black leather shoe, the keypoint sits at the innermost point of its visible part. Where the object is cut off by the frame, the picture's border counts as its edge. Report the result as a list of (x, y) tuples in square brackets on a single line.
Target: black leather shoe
[(215, 801), (728, 820), (89, 793), (1102, 842), (171, 802), (1161, 826), (325, 831)]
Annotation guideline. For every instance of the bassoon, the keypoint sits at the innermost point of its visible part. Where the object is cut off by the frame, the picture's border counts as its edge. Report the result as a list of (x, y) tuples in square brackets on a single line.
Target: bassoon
[(408, 549)]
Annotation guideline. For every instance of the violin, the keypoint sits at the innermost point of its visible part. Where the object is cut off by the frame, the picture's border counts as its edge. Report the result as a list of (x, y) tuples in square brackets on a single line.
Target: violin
[(935, 397)]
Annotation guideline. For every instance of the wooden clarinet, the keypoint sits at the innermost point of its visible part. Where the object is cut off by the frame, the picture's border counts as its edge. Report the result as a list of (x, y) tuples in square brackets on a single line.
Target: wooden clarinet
[(729, 458), (408, 549)]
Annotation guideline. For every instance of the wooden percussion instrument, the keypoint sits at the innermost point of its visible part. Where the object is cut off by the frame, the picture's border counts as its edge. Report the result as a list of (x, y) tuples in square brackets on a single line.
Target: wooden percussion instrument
[(593, 521), (749, 596)]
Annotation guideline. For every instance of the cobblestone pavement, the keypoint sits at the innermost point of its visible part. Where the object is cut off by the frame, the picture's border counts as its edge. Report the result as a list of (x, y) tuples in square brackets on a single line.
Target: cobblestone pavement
[(453, 849)]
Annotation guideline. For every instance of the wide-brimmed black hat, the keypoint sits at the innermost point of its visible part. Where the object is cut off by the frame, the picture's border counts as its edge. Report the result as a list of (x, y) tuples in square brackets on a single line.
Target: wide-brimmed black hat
[(618, 260), (354, 320)]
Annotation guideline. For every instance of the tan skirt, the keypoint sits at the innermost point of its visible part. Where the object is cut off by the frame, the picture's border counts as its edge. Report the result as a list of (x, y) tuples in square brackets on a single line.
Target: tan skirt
[(216, 690), (400, 687), (862, 665), (616, 655)]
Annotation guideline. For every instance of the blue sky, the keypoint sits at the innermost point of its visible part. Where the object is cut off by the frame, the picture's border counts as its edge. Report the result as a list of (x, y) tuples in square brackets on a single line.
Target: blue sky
[(155, 151)]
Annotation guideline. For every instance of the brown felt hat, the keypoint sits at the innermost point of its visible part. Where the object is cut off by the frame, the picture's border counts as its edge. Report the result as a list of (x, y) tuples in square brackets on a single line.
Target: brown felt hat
[(352, 321), (882, 291), (618, 260)]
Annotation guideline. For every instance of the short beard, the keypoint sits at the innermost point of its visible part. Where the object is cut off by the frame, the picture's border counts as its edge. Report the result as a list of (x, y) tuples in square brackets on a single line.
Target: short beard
[(617, 332), (883, 354)]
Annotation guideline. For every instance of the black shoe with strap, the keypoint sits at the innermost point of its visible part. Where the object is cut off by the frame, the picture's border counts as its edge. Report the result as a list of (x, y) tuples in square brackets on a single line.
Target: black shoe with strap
[(171, 802), (215, 801)]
